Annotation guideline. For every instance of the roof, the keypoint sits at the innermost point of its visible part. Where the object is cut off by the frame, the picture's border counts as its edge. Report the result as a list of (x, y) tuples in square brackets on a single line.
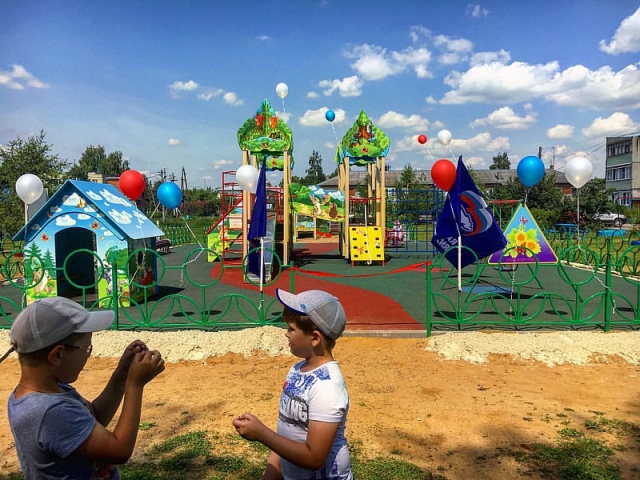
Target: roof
[(490, 178), (100, 200)]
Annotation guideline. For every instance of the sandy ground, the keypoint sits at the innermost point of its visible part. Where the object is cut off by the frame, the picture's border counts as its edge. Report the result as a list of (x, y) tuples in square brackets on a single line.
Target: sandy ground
[(453, 403)]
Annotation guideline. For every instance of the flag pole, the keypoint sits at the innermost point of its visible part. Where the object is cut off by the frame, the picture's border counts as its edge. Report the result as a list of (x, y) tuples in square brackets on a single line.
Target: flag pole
[(459, 261)]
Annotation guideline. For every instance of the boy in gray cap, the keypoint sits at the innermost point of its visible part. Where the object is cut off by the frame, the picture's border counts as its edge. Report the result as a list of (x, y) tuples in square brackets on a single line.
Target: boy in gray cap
[(58, 434), (310, 441)]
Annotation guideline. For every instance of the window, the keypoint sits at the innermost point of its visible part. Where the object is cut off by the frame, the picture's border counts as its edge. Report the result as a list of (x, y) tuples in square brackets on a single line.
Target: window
[(618, 173), (619, 148), (622, 197)]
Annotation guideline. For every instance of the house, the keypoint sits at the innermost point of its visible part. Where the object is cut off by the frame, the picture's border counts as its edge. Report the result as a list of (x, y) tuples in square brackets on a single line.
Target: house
[(622, 170), (83, 238)]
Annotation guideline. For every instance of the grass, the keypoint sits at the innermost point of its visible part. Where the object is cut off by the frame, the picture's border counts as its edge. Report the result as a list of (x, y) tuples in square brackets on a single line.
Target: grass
[(583, 452)]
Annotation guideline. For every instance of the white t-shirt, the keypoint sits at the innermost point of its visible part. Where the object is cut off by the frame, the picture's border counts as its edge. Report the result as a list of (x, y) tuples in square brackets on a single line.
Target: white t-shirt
[(319, 395)]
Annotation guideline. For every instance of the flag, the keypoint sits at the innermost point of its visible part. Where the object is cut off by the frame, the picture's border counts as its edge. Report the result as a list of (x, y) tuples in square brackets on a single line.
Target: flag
[(258, 226), (465, 215)]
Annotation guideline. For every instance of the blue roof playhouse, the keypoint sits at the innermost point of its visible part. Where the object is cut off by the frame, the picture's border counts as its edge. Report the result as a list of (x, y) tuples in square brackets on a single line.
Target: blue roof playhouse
[(73, 240)]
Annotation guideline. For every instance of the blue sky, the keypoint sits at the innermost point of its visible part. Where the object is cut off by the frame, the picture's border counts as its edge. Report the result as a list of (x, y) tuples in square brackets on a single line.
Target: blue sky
[(169, 83)]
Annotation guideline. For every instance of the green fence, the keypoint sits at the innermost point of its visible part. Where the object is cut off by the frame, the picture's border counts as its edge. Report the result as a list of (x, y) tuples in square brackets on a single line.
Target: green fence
[(596, 284)]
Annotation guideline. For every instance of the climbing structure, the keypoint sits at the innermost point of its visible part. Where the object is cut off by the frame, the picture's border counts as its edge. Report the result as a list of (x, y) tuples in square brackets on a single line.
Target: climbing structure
[(266, 138), (363, 145)]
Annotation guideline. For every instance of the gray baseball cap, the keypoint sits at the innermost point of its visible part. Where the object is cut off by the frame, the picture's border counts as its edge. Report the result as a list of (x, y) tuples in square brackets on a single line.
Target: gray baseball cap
[(324, 310), (50, 320)]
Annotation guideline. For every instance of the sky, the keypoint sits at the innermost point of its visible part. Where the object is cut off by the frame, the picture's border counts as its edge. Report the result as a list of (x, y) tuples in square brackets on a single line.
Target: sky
[(169, 83)]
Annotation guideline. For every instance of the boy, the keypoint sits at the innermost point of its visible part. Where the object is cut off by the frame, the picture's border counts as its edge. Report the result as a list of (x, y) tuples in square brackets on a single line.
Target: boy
[(58, 434), (310, 442)]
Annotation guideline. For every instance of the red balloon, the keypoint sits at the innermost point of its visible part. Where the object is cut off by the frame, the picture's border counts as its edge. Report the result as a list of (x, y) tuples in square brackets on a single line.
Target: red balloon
[(132, 184), (443, 173), (422, 139)]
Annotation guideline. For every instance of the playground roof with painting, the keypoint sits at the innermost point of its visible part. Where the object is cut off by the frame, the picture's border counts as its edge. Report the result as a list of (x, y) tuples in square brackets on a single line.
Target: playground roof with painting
[(93, 200)]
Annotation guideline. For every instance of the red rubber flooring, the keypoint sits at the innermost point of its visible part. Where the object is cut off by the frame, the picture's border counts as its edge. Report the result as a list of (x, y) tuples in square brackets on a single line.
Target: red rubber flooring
[(365, 309)]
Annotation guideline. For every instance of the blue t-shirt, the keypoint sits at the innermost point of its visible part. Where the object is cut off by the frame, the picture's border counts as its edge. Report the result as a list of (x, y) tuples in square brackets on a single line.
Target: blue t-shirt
[(47, 429)]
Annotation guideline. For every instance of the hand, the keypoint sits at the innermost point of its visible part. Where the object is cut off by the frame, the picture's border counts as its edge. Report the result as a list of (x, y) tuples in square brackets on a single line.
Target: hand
[(145, 366), (137, 346), (249, 426)]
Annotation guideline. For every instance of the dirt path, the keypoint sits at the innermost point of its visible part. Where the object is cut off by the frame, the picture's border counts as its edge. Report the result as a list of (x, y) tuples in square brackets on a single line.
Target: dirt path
[(454, 403)]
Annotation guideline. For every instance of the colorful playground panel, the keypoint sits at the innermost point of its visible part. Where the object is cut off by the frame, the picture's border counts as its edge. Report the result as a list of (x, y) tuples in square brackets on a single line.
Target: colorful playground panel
[(366, 244)]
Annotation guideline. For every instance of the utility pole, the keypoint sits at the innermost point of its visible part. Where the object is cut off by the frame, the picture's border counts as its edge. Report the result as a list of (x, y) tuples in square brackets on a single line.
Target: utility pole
[(183, 186)]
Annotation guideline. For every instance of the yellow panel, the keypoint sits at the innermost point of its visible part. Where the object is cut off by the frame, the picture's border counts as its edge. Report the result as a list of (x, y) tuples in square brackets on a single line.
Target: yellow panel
[(366, 244)]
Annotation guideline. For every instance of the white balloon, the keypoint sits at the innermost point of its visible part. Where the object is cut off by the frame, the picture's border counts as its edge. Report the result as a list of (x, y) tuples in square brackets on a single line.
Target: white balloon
[(29, 188), (282, 90), (578, 171), (444, 137), (247, 178)]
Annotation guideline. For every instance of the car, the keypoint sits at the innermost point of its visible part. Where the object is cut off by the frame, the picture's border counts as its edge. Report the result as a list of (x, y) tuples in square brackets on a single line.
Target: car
[(616, 219)]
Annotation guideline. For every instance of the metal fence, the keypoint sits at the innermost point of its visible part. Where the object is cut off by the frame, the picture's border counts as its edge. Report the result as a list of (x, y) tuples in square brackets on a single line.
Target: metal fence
[(596, 284)]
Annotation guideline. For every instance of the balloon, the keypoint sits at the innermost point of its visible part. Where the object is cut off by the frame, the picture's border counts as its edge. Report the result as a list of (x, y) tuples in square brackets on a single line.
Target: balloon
[(530, 171), (578, 171), (29, 188), (132, 184), (169, 195), (422, 139), (330, 115), (247, 178), (444, 137), (443, 173), (282, 90)]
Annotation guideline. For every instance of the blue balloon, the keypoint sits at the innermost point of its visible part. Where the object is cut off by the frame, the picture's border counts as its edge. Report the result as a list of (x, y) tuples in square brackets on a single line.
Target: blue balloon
[(330, 115), (530, 171), (169, 195)]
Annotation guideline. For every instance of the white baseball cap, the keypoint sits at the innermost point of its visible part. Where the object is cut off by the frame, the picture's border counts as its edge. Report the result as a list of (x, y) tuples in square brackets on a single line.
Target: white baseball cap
[(324, 310), (50, 320)]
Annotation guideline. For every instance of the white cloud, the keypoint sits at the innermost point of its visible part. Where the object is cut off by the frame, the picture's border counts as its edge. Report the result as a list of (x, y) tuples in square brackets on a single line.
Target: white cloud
[(122, 217), (93, 195), (19, 79), (501, 56), (173, 142), (316, 118), (184, 86), (71, 200), (521, 82), (263, 38), (232, 99), (222, 163), (617, 124), (375, 63), (210, 93), (65, 221), (477, 11), (456, 50), (476, 162), (348, 87), (560, 131), (627, 37), (111, 198), (313, 95), (505, 119), (393, 119)]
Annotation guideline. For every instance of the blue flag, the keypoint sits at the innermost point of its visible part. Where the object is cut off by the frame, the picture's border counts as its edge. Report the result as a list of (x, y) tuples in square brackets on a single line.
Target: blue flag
[(466, 215), (258, 226)]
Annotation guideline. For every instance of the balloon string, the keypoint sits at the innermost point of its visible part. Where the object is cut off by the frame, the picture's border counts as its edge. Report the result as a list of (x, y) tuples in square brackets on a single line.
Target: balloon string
[(335, 134), (284, 112), (526, 195), (431, 157), (452, 154)]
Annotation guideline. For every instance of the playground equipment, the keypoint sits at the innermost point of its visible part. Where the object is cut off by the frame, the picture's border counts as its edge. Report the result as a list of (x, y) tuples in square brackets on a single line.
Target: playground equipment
[(267, 138), (364, 145)]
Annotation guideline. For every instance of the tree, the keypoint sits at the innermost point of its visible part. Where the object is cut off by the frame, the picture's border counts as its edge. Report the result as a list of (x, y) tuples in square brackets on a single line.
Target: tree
[(94, 159), (315, 175), (20, 157), (500, 162)]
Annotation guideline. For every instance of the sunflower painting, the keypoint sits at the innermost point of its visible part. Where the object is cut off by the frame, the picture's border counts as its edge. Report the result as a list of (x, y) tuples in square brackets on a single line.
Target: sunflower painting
[(525, 241)]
